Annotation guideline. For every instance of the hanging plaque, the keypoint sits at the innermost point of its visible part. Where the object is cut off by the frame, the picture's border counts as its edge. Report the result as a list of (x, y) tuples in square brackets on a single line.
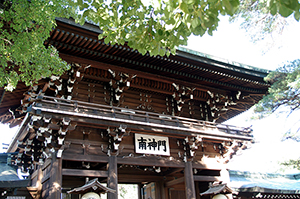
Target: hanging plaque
[(151, 144)]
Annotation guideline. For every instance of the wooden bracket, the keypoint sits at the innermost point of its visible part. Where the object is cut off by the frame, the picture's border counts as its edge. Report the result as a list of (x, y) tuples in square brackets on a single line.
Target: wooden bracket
[(228, 149), (181, 95), (115, 138), (145, 102), (118, 83), (189, 146), (220, 103)]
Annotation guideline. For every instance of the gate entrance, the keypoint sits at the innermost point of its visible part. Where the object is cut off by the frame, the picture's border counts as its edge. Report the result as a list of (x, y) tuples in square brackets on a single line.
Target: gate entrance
[(156, 182)]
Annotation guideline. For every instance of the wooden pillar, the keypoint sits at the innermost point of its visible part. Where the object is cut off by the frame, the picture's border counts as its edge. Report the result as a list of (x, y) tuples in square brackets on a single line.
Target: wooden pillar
[(167, 193), (140, 186), (189, 181), (39, 184), (112, 180), (55, 178), (159, 190), (197, 190)]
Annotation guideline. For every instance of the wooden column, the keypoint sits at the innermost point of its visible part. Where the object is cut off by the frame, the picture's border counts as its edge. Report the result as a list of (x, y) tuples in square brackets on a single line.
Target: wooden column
[(112, 180), (140, 186), (159, 190), (197, 190), (55, 178), (39, 184), (189, 181)]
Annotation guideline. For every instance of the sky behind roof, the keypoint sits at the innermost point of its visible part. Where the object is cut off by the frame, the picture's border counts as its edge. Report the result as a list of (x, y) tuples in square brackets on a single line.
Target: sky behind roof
[(232, 43)]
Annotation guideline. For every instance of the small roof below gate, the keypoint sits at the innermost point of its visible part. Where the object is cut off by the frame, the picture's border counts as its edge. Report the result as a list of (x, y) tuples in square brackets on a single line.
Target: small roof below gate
[(8, 174), (217, 188), (264, 183), (91, 186)]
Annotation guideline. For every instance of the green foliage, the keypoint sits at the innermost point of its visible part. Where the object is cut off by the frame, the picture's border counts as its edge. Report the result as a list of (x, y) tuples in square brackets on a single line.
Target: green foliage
[(262, 18), (122, 191), (127, 191), (295, 164), (156, 28), (284, 91), (25, 25)]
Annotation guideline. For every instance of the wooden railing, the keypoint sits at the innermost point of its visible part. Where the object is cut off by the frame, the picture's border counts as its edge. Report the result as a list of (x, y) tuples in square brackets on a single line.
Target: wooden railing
[(136, 117)]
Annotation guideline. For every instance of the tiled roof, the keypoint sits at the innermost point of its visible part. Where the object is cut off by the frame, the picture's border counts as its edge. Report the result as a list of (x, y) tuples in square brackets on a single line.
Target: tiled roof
[(8, 174), (261, 182)]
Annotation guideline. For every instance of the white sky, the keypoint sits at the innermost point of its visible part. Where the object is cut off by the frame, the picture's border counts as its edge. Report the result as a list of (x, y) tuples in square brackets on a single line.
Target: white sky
[(231, 43), (269, 149)]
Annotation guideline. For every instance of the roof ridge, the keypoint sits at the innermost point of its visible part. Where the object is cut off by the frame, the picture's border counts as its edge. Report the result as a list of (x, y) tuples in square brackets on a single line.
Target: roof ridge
[(220, 59)]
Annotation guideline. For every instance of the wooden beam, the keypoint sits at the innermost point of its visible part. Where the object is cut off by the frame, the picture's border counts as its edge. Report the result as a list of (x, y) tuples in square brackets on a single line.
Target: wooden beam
[(46, 177), (106, 119), (87, 173), (150, 161), (33, 192), (174, 182), (172, 171), (39, 184), (206, 178), (160, 190), (112, 179), (14, 144), (189, 181), (140, 186), (55, 178), (85, 158), (141, 161), (129, 178), (141, 74)]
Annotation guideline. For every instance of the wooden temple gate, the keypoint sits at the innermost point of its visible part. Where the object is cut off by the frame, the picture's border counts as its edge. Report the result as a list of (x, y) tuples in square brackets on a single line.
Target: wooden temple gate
[(122, 117)]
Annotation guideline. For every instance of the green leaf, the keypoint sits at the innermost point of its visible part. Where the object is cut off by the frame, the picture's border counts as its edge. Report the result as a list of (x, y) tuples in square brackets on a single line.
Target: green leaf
[(284, 11), (195, 22), (80, 4), (170, 21), (291, 4), (209, 21), (273, 7), (297, 15), (86, 13), (160, 32), (228, 7), (184, 7), (189, 2), (85, 5)]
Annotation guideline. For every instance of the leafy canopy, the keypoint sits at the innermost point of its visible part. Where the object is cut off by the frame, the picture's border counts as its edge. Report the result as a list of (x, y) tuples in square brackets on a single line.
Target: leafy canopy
[(24, 26), (285, 89), (295, 164), (157, 28), (265, 20)]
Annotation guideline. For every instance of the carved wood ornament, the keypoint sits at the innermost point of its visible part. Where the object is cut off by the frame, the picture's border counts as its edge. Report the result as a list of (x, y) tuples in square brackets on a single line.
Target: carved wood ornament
[(145, 102), (115, 88), (181, 95), (115, 138), (219, 103), (228, 149), (44, 136), (63, 87), (189, 146)]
